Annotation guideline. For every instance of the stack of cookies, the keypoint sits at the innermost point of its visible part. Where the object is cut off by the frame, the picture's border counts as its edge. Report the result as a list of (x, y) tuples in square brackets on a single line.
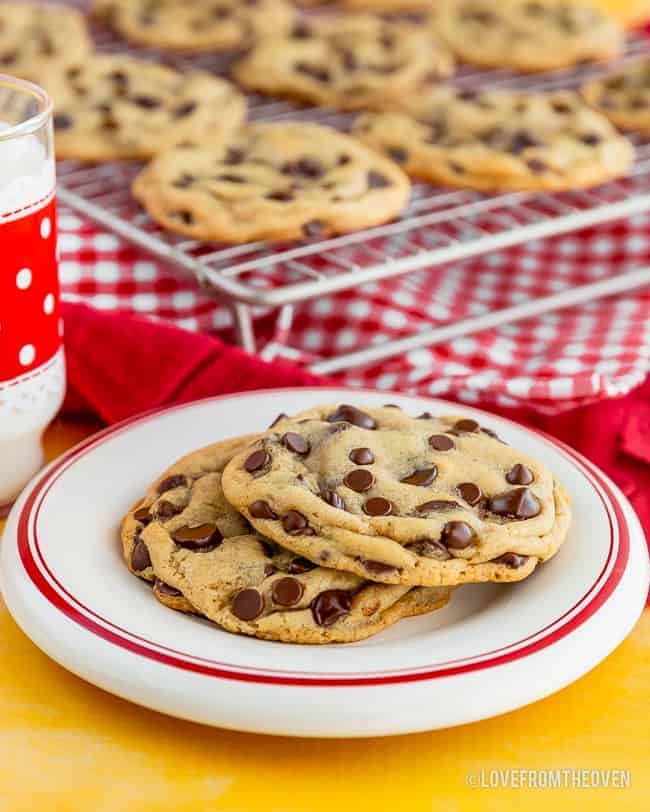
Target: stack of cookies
[(336, 523), (214, 177)]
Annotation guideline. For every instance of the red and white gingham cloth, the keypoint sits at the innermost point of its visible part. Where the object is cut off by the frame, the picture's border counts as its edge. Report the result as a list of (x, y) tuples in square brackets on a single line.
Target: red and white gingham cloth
[(550, 363)]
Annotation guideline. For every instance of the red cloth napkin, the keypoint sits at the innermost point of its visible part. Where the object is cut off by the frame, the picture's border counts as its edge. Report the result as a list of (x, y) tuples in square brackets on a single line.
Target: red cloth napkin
[(120, 365)]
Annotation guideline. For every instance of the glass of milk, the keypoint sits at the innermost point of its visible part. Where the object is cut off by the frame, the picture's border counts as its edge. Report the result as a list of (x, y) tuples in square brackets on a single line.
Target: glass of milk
[(32, 367)]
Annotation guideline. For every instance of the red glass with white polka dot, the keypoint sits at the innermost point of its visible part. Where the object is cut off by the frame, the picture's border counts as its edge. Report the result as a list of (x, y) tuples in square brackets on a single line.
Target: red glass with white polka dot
[(32, 369)]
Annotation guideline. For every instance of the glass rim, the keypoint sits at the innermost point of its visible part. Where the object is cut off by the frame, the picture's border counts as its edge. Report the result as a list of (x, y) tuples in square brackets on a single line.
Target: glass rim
[(36, 121)]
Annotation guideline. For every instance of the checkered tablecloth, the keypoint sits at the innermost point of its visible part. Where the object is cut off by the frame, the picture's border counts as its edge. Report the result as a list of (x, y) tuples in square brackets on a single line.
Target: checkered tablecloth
[(551, 363)]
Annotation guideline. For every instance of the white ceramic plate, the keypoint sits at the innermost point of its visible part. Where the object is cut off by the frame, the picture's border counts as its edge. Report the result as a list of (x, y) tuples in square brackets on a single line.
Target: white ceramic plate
[(494, 648)]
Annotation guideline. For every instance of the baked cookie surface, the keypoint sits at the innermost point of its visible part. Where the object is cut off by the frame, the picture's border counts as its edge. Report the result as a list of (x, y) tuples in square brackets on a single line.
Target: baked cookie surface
[(527, 35), (623, 96), (350, 62), (35, 38), (116, 107), (425, 501), (273, 182), (198, 25), (499, 140)]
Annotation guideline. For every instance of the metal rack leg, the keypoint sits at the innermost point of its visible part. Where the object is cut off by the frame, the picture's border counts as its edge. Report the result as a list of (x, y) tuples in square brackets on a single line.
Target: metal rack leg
[(243, 325)]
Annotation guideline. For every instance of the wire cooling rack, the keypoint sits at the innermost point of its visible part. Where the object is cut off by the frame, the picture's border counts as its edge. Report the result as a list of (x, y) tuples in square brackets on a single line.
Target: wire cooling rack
[(439, 226)]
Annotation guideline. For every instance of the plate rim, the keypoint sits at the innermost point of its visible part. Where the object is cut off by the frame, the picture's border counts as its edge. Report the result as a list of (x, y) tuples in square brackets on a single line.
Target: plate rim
[(619, 545)]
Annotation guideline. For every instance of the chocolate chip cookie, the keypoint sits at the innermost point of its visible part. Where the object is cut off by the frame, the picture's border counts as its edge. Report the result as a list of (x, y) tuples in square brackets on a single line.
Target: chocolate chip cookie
[(117, 107), (401, 500), (202, 559), (352, 62), (499, 140), (527, 35), (36, 38), (199, 25), (623, 96), (272, 182)]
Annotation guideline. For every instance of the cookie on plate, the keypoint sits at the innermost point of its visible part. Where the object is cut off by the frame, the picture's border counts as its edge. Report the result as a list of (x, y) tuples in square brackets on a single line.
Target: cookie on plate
[(36, 38), (350, 62), (199, 25), (623, 96), (499, 140), (117, 107), (272, 182), (200, 555), (401, 500), (527, 35)]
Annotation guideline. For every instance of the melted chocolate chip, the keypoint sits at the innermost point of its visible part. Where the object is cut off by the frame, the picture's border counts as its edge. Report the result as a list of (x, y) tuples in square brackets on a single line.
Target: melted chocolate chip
[(257, 460), (142, 515), (440, 442), (457, 535), (421, 476), (171, 482), (470, 492), (429, 548), (511, 560), (520, 475), (270, 569), (62, 121), (536, 166), (377, 567), (520, 503), (287, 591), (166, 509), (301, 30), (436, 505), (359, 480), (140, 559), (398, 154), (248, 604), (333, 498), (167, 589), (466, 425), (186, 109), (234, 156), (378, 506), (203, 538), (294, 442), (305, 167), (376, 180), (184, 181), (361, 456), (350, 414), (591, 139), (261, 510), (281, 196), (295, 524), (300, 565), (331, 605), (146, 102), (522, 140), (313, 71)]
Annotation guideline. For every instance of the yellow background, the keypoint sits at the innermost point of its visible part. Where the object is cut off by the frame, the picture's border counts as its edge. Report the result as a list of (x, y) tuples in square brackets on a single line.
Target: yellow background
[(68, 747)]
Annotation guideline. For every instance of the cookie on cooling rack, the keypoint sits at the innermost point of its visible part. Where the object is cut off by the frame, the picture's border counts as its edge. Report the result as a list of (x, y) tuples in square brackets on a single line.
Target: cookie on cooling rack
[(527, 35), (202, 559), (115, 107), (350, 62), (402, 500), (623, 96), (198, 25), (499, 140), (36, 38), (280, 181)]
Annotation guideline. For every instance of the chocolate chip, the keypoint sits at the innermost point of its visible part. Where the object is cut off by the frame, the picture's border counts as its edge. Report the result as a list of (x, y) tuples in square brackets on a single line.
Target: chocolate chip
[(295, 524), (270, 569), (429, 548), (522, 140), (520, 475), (140, 559), (248, 604), (350, 414), (231, 178), (511, 560), (171, 482), (343, 160), (425, 416), (167, 589), (234, 156), (421, 476), (313, 229), (257, 460), (267, 547), (398, 154), (456, 167), (146, 102), (313, 71), (300, 565), (278, 419), (470, 492), (440, 442), (166, 509), (359, 480), (142, 515), (467, 94), (281, 196), (62, 121), (518, 504), (333, 498), (305, 167), (492, 434), (466, 426), (287, 591), (591, 139), (377, 567), (437, 504), (361, 456), (536, 166), (186, 217), (184, 181), (261, 510), (331, 605), (349, 60), (185, 109), (202, 538), (457, 535), (378, 506), (561, 107), (301, 30), (376, 180), (294, 442)]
